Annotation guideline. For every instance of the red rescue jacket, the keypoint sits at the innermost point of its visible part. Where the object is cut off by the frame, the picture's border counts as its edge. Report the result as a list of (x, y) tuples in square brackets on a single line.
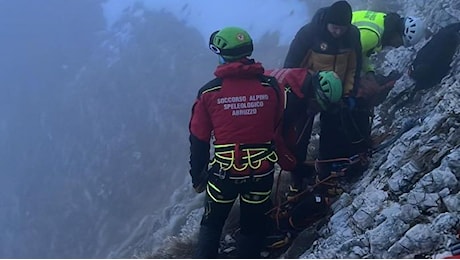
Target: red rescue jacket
[(300, 109), (240, 106)]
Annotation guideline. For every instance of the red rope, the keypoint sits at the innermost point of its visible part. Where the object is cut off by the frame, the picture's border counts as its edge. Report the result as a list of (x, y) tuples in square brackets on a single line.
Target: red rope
[(352, 160)]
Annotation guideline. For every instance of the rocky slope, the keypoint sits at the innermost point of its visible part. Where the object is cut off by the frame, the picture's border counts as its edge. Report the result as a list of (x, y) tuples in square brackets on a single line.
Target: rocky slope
[(407, 204)]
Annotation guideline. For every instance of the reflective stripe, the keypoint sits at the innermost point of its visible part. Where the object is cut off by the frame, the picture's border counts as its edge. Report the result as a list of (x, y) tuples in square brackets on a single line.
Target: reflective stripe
[(371, 21), (372, 27), (256, 198), (212, 89), (209, 192), (247, 176), (213, 186), (265, 84), (280, 74), (261, 193), (369, 25), (286, 91)]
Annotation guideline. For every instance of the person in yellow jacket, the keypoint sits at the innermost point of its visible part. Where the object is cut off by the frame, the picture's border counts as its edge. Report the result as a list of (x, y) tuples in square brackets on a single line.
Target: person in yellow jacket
[(378, 30)]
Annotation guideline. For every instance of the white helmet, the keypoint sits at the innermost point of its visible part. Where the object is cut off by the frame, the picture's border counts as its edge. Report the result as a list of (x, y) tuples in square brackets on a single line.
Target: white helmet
[(414, 30)]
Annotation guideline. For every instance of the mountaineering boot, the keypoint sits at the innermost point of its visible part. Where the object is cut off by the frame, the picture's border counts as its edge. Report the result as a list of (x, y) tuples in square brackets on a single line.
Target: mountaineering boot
[(277, 240), (312, 208), (208, 243), (300, 178), (249, 246)]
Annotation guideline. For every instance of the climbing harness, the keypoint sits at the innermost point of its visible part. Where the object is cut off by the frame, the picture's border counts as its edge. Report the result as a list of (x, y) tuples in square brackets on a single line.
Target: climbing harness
[(241, 156)]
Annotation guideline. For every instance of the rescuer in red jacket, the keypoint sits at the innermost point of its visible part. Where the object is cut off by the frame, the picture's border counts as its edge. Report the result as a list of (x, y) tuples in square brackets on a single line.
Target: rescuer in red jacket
[(240, 110), (306, 94)]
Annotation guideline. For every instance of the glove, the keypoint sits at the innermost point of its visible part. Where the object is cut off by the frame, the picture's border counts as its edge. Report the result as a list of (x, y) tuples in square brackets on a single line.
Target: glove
[(199, 182), (200, 187), (394, 75), (370, 75), (350, 102), (390, 79), (371, 93)]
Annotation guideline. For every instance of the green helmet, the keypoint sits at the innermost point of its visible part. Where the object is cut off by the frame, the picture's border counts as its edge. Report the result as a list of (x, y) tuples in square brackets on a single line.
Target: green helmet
[(231, 43), (328, 88)]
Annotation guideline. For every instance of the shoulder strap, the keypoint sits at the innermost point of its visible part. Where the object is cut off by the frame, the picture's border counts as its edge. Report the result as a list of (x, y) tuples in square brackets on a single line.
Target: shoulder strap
[(213, 85), (271, 82)]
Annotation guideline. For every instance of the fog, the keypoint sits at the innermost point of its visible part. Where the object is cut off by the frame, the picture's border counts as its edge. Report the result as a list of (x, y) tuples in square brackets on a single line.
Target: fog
[(94, 118)]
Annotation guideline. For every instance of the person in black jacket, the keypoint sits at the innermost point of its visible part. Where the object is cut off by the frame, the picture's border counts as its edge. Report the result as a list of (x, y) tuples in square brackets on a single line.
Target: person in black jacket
[(331, 42), (433, 60)]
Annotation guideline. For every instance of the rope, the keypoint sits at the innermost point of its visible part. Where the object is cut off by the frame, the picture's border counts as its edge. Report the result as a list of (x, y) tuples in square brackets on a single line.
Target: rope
[(334, 174), (277, 199), (308, 189), (351, 118)]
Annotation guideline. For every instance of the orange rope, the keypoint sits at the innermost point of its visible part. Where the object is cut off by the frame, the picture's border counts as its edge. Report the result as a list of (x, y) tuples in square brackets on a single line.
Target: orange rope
[(309, 189), (333, 174)]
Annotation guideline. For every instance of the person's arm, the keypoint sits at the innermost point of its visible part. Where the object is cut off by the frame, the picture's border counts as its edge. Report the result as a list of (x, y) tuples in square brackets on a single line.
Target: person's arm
[(286, 159), (199, 157), (350, 76), (299, 47), (369, 43), (200, 128), (354, 65), (300, 114)]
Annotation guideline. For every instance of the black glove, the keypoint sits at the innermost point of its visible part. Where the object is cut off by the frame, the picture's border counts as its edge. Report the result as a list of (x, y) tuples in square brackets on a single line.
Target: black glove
[(392, 77), (350, 102), (370, 75), (200, 181)]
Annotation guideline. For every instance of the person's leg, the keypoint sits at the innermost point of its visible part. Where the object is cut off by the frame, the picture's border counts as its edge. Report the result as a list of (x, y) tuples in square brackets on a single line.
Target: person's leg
[(362, 119), (220, 196), (311, 208), (301, 171), (333, 141), (302, 176), (254, 222), (334, 144)]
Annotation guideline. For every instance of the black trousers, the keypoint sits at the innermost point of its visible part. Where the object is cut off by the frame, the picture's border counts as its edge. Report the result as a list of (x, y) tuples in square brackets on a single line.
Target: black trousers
[(255, 201), (344, 133)]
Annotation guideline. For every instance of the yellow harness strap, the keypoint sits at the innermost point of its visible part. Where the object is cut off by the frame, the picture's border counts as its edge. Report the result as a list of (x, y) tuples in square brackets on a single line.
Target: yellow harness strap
[(252, 156)]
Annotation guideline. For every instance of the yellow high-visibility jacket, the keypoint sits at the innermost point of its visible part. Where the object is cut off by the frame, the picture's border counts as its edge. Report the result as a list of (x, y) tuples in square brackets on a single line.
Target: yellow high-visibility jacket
[(371, 26)]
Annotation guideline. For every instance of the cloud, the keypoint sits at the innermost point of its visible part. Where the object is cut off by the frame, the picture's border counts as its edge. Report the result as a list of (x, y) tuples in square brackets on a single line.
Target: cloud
[(258, 17)]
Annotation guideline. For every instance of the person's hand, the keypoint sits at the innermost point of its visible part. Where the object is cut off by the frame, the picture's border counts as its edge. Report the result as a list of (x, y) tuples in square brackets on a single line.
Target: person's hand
[(371, 93), (383, 93), (394, 75), (199, 188), (200, 182), (370, 75), (350, 102)]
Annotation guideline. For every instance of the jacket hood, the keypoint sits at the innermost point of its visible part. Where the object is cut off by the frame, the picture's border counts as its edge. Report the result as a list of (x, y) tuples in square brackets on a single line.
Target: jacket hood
[(242, 68)]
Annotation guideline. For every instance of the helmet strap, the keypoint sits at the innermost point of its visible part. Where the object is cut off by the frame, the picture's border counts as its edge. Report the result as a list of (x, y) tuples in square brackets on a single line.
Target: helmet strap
[(248, 48), (221, 60)]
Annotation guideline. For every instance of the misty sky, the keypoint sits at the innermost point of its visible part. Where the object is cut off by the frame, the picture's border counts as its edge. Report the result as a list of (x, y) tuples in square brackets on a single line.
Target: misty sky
[(85, 145), (208, 16)]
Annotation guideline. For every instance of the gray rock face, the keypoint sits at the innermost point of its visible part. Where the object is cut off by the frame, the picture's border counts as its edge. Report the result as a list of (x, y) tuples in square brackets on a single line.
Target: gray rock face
[(408, 202)]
